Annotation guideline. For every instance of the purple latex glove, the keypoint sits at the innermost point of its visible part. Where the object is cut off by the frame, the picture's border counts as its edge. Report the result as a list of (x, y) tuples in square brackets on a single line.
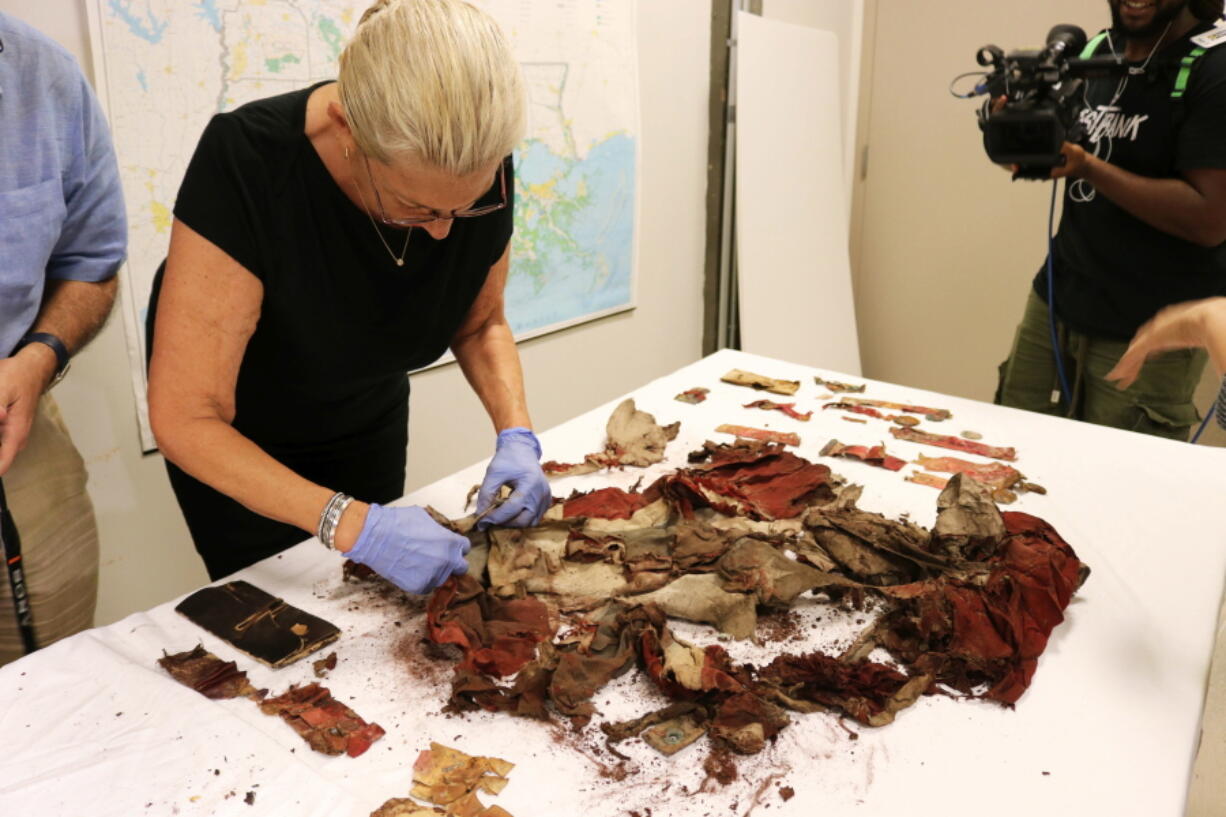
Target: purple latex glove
[(517, 463), (409, 549)]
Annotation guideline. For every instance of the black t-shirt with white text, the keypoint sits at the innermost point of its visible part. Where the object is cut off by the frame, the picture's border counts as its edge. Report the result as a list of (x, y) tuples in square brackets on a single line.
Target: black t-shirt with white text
[(1112, 270)]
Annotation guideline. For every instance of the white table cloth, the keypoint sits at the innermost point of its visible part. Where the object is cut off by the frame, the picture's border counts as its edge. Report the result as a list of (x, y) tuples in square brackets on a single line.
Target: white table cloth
[(92, 725)]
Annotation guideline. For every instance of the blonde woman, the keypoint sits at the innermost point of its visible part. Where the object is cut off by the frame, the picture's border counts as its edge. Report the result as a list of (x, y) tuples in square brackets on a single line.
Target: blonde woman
[(326, 242)]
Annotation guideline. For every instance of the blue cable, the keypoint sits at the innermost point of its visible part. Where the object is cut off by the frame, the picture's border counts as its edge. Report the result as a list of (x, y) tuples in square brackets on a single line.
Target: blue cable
[(1204, 423), (1067, 393)]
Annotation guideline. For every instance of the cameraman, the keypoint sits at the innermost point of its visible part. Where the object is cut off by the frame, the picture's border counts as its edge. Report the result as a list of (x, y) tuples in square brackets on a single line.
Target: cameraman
[(1143, 227)]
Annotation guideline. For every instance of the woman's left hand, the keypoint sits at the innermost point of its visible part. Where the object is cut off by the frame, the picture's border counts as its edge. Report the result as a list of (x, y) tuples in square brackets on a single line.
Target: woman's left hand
[(516, 463)]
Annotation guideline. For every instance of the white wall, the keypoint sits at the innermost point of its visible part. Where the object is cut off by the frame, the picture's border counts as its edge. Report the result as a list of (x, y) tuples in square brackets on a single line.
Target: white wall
[(147, 556)]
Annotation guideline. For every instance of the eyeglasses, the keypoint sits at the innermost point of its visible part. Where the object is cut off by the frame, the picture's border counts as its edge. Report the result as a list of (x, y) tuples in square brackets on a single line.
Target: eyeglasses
[(428, 214)]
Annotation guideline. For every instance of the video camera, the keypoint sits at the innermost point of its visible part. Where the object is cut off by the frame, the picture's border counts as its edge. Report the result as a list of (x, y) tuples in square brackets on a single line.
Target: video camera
[(1043, 99)]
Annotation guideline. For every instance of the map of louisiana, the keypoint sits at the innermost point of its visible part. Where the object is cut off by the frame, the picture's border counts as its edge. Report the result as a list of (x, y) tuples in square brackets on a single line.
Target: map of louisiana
[(164, 67)]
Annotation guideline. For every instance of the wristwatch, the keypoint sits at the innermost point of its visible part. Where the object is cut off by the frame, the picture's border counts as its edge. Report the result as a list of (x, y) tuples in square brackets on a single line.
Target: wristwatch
[(61, 353)]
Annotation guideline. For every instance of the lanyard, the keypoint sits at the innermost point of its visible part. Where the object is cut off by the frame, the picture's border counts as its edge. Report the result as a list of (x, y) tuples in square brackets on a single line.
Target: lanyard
[(10, 547)]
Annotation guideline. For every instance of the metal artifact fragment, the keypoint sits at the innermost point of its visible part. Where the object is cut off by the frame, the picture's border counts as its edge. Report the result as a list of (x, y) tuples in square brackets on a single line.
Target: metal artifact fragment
[(738, 377)]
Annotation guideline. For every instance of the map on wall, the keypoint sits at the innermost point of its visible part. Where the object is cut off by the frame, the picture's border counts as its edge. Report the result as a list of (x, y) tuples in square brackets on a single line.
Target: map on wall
[(163, 67)]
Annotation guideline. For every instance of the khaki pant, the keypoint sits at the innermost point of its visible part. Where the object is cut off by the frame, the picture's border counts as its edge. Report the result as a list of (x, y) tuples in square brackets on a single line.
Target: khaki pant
[(59, 538), (1158, 403)]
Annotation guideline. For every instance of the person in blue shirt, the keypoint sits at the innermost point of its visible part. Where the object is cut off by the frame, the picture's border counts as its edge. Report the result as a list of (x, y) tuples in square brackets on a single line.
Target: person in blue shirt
[(63, 236)]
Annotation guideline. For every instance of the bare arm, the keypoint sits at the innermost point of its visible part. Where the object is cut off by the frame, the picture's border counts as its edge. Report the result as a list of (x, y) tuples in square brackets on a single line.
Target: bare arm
[(208, 309), (487, 355), (73, 311), (1192, 207)]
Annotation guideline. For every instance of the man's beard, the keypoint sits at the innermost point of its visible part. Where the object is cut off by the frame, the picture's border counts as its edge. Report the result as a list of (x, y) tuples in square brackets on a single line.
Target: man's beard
[(1162, 18)]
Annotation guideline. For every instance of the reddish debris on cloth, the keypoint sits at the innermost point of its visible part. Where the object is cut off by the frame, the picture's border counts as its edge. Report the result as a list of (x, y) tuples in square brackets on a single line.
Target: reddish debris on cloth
[(753, 479), (498, 637), (874, 455), (956, 443), (934, 414), (693, 396), (606, 503), (209, 675), (323, 722), (761, 434)]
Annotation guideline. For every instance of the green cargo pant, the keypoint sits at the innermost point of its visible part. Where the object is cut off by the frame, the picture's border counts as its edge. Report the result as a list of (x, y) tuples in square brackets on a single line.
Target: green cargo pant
[(1159, 403)]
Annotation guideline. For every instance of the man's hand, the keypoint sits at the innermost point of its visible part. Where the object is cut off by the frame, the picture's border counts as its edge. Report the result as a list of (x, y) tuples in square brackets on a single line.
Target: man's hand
[(23, 379), (1181, 326), (1076, 162)]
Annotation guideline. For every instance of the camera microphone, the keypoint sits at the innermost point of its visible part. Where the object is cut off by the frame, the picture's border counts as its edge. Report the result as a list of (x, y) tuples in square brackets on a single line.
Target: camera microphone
[(1065, 41)]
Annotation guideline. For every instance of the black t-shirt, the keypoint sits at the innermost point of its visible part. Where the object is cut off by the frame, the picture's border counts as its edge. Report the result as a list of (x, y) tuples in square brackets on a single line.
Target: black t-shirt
[(1112, 270), (340, 324)]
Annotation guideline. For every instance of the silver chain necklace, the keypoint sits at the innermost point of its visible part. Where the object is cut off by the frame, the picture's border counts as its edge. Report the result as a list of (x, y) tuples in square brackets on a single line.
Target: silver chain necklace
[(408, 236)]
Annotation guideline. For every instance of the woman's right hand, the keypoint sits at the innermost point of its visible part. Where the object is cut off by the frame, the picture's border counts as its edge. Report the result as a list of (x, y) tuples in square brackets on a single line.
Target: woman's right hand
[(409, 549)]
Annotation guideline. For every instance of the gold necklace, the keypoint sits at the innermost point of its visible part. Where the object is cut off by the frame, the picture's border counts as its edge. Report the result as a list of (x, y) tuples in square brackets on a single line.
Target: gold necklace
[(408, 236)]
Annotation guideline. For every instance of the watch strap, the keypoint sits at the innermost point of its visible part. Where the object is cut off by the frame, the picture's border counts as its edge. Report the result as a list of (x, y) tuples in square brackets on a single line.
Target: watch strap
[(57, 346)]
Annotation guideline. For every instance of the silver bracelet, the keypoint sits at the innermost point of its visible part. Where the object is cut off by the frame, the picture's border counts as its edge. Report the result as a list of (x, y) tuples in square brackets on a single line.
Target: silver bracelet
[(330, 517)]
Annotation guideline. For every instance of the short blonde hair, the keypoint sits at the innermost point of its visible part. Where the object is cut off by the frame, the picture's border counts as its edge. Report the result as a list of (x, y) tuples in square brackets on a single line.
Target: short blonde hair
[(434, 80)]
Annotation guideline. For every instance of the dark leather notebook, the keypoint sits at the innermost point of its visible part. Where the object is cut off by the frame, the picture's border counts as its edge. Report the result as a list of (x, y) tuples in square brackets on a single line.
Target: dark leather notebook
[(258, 623)]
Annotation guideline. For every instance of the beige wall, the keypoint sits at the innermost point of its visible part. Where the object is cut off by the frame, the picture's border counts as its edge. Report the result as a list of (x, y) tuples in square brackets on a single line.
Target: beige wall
[(147, 557)]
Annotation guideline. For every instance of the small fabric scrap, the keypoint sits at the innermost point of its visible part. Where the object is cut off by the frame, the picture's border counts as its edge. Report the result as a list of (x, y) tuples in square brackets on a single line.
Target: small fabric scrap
[(325, 723), (693, 396), (836, 386), (873, 455), (737, 377), (498, 637), (915, 435), (605, 503), (786, 408), (761, 434), (209, 675), (633, 438)]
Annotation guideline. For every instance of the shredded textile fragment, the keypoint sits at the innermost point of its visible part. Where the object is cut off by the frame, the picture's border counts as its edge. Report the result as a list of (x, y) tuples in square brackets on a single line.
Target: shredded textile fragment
[(737, 377), (447, 777), (634, 438), (324, 665), (835, 386), (606, 503), (873, 455), (761, 434), (968, 605), (868, 411), (497, 637), (933, 414), (693, 396), (924, 478), (787, 408), (325, 723), (1002, 479), (209, 675), (859, 420), (915, 435)]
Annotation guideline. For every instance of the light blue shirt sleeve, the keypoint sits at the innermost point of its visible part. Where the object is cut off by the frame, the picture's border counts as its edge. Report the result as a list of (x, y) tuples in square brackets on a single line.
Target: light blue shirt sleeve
[(93, 239)]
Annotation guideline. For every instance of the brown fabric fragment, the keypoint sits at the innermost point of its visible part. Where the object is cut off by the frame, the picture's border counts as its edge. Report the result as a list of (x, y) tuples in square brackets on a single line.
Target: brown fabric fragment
[(634, 438), (702, 598), (752, 565), (209, 675), (497, 637), (324, 665), (693, 396), (915, 435), (969, 525), (737, 377), (325, 723), (744, 722), (867, 691), (784, 408), (445, 776), (836, 386)]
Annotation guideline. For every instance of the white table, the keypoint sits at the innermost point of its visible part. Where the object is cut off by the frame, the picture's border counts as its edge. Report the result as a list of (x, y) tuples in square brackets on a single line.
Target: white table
[(92, 726)]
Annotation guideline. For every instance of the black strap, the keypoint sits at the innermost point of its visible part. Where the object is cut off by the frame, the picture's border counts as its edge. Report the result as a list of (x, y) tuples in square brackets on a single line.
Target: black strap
[(10, 547)]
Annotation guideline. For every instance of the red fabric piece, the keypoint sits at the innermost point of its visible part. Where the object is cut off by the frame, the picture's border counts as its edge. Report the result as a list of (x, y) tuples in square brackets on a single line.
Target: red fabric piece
[(715, 674), (992, 473), (787, 408), (865, 410), (874, 455), (498, 637), (761, 434), (325, 723), (606, 503), (762, 482), (859, 688), (956, 443)]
